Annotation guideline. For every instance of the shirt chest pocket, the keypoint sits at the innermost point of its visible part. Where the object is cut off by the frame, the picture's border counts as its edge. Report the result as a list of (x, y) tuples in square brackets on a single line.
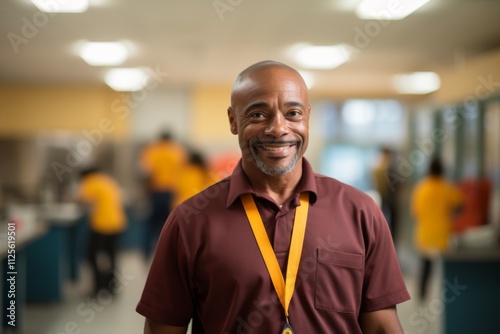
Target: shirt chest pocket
[(339, 281)]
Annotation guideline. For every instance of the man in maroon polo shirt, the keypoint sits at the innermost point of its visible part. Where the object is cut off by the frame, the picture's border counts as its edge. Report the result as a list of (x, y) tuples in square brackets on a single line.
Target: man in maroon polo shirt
[(274, 248)]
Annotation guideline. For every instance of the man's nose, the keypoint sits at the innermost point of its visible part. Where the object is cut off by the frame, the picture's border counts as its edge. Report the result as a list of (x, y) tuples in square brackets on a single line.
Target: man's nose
[(278, 126)]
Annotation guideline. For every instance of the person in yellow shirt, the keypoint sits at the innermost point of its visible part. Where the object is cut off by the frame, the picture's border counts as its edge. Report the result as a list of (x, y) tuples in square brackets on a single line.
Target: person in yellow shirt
[(161, 163), (193, 178), (107, 222), (434, 201)]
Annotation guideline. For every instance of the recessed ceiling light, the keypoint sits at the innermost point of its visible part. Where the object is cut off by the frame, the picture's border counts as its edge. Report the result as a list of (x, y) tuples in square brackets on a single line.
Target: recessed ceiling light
[(416, 83), (127, 79), (103, 53), (388, 9), (62, 6), (321, 57)]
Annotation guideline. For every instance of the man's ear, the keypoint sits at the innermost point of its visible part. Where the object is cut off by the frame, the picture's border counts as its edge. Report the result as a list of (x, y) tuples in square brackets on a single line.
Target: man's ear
[(232, 121)]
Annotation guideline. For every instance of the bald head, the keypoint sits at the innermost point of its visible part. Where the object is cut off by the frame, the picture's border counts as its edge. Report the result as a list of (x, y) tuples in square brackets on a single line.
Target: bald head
[(241, 80)]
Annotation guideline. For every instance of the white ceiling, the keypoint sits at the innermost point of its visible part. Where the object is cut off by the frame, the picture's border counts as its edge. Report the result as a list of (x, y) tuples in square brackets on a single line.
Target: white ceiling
[(190, 41)]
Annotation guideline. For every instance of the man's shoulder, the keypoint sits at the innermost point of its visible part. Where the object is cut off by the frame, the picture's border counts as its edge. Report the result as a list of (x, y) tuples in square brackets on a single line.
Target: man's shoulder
[(217, 189), (208, 198), (198, 212), (329, 186), (325, 181)]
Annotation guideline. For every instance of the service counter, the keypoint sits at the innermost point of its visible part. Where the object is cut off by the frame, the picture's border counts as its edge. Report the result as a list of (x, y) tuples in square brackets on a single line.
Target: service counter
[(471, 291), (51, 245), (55, 258), (46, 254)]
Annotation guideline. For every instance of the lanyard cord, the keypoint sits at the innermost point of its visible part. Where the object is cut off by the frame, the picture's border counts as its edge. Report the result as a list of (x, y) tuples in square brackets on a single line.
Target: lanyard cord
[(284, 289)]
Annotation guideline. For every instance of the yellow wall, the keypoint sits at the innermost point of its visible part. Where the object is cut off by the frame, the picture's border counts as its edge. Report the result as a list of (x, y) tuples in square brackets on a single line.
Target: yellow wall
[(28, 110), (208, 115), (479, 78)]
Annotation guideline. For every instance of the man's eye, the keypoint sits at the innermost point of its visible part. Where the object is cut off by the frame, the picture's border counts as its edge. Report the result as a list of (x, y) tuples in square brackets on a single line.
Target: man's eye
[(294, 113), (257, 115)]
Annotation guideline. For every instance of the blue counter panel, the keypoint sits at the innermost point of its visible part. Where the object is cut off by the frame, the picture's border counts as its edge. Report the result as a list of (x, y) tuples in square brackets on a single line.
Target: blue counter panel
[(46, 266), (471, 292)]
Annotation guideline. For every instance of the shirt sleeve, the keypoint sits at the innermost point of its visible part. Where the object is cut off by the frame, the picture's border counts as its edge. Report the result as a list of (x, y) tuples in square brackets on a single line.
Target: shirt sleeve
[(166, 297), (383, 284)]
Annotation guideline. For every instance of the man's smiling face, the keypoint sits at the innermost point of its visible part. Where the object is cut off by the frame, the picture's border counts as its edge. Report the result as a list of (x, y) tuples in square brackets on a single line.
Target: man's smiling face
[(270, 114)]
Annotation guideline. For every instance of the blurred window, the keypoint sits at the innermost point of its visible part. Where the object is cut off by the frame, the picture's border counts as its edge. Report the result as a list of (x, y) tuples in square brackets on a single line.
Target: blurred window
[(354, 131), (449, 152), (349, 164), (373, 121), (470, 113)]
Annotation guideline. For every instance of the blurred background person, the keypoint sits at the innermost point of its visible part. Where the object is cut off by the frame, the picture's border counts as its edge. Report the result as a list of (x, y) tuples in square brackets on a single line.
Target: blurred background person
[(107, 222), (160, 162), (194, 177), (434, 201), (388, 190)]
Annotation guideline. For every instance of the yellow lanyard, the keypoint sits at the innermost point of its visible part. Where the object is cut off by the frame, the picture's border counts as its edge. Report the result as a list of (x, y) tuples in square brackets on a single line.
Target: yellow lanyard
[(284, 291)]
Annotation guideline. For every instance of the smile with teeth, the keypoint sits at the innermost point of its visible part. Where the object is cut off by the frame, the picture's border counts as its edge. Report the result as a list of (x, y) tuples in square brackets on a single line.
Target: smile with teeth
[(275, 148)]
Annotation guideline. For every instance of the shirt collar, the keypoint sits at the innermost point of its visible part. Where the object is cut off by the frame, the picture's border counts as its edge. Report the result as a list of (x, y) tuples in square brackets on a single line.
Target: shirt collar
[(239, 184)]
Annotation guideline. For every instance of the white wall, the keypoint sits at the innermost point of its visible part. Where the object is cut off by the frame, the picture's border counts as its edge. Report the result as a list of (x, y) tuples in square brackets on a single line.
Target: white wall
[(159, 109)]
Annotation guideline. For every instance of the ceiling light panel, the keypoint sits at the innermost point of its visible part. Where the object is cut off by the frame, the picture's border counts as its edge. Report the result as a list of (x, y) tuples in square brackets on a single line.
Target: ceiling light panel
[(104, 53), (387, 9), (61, 6), (127, 79), (321, 57), (416, 83)]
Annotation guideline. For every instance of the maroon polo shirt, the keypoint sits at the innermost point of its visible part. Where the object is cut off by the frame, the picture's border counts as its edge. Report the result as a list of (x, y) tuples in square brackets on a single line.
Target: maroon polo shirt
[(208, 266)]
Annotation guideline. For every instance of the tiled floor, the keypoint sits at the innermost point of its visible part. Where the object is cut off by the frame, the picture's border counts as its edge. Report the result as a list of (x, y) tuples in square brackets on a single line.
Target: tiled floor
[(106, 315)]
